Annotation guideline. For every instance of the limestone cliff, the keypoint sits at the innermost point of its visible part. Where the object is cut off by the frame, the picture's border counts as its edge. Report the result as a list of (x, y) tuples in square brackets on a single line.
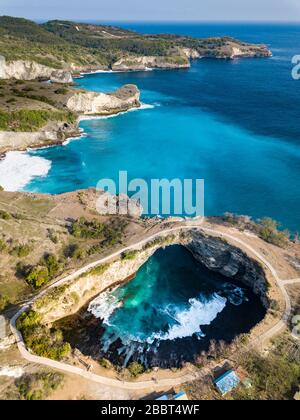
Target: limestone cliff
[(216, 254), (53, 133), (78, 101), (230, 261), (30, 70), (93, 103), (134, 63)]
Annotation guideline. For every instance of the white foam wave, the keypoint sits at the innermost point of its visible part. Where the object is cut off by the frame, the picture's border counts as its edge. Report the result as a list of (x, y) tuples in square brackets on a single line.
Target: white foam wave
[(18, 169), (105, 117), (70, 139), (190, 320), (104, 305)]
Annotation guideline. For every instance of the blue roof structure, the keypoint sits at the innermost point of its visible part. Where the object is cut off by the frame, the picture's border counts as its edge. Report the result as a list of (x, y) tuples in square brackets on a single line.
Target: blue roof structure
[(227, 382)]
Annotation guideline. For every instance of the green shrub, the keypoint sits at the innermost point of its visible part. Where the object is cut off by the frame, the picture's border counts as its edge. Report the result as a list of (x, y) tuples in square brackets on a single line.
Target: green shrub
[(109, 233), (74, 251), (38, 276), (105, 363), (38, 338), (38, 386), (1, 188), (3, 245), (130, 255), (4, 302), (31, 120), (62, 91), (22, 251), (268, 231), (5, 215), (52, 265), (136, 369), (96, 271)]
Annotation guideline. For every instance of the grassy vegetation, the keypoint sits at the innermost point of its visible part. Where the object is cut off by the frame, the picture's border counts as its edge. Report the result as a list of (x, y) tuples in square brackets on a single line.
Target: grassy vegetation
[(42, 341), (52, 296), (110, 234), (40, 274), (266, 228), (106, 364), (56, 43), (273, 376), (130, 255), (268, 231), (5, 215), (4, 302), (38, 386), (161, 241), (27, 120), (21, 251), (96, 271)]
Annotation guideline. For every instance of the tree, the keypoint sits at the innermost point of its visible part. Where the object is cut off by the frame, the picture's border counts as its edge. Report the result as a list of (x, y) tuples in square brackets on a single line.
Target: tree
[(136, 369), (38, 276)]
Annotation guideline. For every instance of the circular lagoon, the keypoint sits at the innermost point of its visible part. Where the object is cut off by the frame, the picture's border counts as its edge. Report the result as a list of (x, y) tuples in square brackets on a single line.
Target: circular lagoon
[(167, 314)]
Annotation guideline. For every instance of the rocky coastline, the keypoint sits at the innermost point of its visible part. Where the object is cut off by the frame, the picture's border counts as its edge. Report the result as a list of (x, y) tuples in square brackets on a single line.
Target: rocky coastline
[(214, 253), (79, 103)]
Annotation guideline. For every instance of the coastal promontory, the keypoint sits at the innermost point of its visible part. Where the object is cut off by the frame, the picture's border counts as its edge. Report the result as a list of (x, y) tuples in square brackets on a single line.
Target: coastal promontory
[(34, 114)]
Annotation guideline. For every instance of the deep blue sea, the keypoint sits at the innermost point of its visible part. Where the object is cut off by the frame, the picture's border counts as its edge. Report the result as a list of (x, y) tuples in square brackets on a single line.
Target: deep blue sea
[(234, 123)]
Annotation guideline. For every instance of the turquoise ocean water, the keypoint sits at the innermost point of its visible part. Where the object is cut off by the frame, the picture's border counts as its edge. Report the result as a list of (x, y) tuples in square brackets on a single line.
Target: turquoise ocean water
[(234, 123)]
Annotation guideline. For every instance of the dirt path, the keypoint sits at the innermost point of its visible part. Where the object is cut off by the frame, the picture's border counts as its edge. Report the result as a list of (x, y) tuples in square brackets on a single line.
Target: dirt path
[(139, 385)]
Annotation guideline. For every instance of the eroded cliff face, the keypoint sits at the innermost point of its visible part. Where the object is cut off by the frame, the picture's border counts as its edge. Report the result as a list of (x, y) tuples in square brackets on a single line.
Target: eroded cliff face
[(134, 63), (53, 133), (30, 70), (93, 103), (67, 300), (214, 253), (219, 256)]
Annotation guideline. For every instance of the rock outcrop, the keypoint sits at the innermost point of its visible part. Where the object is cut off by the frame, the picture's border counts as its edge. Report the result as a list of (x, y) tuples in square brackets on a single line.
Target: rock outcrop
[(135, 63), (190, 53), (30, 70), (239, 52), (53, 133), (219, 256), (93, 103)]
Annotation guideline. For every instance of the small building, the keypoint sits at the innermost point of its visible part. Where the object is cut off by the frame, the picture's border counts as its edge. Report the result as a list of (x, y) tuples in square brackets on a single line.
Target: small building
[(227, 382), (181, 396)]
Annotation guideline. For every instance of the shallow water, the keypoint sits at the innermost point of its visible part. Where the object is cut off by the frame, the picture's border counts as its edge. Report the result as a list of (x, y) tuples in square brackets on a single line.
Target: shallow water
[(234, 123), (174, 306)]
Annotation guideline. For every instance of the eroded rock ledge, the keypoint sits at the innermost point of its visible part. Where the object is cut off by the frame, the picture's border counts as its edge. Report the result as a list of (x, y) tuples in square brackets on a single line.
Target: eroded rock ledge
[(216, 254)]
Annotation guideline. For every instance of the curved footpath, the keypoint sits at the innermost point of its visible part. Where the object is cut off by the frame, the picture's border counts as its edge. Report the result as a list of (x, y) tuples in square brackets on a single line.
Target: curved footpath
[(159, 383)]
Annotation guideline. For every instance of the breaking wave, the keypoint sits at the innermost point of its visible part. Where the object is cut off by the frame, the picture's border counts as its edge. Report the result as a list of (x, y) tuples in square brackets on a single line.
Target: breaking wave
[(18, 169), (183, 321), (105, 117)]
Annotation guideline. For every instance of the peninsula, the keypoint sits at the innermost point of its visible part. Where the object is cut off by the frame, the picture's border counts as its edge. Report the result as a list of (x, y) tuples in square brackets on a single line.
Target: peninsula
[(34, 113)]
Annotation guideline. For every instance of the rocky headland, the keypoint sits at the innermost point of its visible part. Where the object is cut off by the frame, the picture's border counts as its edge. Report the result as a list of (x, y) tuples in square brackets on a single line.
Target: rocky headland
[(36, 114)]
